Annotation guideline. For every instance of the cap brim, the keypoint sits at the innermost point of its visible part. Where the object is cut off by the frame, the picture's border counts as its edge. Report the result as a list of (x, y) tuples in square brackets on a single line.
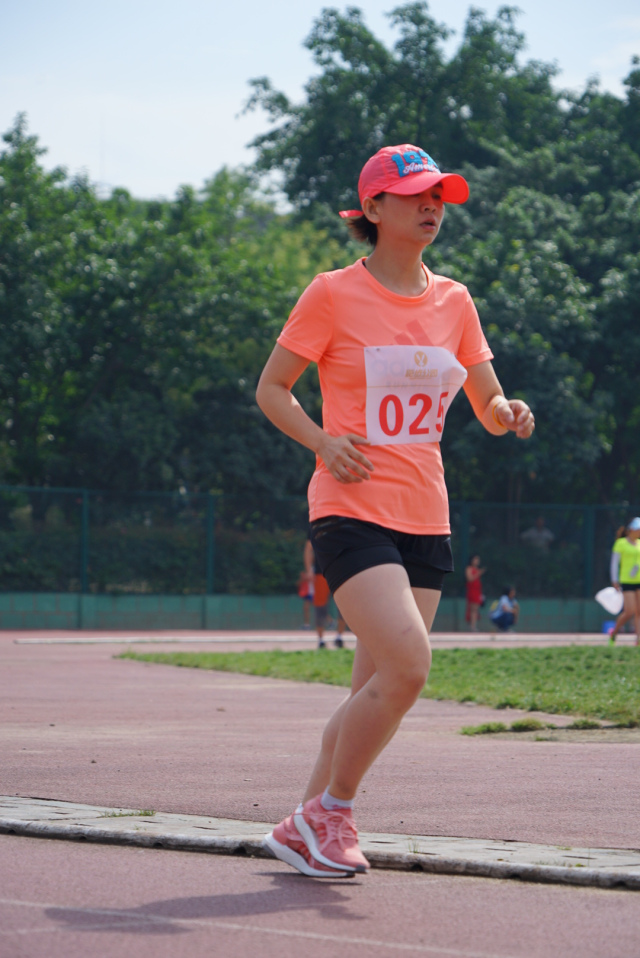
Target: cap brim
[(455, 188)]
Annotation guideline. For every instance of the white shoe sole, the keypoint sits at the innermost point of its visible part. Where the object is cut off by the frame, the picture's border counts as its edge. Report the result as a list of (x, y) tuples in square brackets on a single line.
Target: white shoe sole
[(311, 841), (287, 855)]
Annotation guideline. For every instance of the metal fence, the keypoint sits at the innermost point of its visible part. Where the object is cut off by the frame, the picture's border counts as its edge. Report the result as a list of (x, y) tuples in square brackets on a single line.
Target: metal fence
[(76, 540)]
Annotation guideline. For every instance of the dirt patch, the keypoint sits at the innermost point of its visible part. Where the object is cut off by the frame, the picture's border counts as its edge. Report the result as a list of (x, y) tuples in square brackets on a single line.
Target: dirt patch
[(607, 735)]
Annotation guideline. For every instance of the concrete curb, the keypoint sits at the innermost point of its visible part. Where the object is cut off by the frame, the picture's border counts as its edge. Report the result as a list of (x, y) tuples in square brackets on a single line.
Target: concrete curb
[(280, 636), (221, 844), (548, 874), (605, 868)]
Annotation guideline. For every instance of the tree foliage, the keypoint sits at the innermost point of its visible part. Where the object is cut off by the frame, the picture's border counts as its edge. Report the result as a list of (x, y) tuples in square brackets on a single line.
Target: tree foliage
[(545, 244), (133, 332)]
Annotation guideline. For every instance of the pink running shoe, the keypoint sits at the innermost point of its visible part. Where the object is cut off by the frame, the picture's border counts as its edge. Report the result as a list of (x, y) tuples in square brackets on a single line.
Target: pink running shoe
[(330, 836), (286, 844)]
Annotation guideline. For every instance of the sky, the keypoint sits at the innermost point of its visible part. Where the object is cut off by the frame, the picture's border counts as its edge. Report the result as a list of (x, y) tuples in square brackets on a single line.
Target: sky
[(148, 94)]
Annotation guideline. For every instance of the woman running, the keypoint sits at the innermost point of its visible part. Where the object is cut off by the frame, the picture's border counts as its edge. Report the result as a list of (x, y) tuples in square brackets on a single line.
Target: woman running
[(625, 576), (394, 343)]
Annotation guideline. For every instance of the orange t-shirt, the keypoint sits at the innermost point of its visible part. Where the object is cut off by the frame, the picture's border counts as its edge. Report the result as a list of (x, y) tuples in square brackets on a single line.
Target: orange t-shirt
[(389, 367)]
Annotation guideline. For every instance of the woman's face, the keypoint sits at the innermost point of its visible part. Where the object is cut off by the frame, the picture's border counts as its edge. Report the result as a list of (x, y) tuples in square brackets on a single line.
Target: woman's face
[(475, 560), (416, 218)]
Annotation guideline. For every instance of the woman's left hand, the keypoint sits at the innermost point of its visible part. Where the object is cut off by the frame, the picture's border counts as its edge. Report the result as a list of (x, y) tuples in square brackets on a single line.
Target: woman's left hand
[(515, 415)]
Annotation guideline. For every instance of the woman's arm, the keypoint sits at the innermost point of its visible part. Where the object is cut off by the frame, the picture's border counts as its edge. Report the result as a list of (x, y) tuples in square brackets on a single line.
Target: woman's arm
[(615, 569), (496, 413), (275, 399)]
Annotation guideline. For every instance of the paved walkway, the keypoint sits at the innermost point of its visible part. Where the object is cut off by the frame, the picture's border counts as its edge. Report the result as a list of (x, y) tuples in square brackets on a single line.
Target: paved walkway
[(72, 900), (599, 867), (82, 727)]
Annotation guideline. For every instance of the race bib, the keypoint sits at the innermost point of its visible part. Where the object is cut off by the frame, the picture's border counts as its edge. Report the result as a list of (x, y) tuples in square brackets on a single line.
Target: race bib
[(409, 389)]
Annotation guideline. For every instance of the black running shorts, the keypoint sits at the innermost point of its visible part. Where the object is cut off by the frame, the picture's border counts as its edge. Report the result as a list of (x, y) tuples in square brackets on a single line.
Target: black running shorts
[(344, 547)]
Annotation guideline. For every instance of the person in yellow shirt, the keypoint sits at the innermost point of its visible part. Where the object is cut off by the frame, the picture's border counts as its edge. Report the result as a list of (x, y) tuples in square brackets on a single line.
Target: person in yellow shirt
[(625, 576)]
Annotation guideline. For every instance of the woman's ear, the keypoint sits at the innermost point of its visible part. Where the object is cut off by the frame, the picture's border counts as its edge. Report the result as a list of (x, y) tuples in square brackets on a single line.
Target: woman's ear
[(371, 208)]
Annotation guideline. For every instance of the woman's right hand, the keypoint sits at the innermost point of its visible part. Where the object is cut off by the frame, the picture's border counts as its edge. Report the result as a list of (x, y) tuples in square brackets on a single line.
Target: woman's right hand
[(617, 586), (343, 460)]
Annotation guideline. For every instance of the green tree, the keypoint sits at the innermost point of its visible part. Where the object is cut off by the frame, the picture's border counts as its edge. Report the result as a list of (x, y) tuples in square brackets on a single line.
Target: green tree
[(36, 213), (463, 109), (546, 244), (134, 333)]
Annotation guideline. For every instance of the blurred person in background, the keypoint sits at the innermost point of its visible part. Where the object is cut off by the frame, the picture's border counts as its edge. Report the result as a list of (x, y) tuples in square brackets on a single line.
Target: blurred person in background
[(475, 599), (539, 535), (321, 598), (625, 575), (505, 614), (305, 584)]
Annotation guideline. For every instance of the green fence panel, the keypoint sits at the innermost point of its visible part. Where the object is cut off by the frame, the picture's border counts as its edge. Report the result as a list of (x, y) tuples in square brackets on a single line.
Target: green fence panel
[(75, 541)]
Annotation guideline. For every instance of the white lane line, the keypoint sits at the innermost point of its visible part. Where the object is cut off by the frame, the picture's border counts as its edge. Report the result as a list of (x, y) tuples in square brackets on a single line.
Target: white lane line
[(103, 926), (169, 639), (235, 926)]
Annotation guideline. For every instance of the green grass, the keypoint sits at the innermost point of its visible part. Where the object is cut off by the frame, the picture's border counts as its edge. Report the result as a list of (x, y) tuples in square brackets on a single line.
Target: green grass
[(487, 728), (527, 725), (521, 725), (600, 682)]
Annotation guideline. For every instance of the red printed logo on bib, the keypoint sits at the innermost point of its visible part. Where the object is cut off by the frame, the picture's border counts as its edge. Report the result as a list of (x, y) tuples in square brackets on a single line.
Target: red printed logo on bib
[(409, 389)]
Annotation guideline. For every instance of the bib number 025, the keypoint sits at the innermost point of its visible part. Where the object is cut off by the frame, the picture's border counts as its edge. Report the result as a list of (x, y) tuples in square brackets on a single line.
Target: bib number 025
[(392, 415), (409, 389)]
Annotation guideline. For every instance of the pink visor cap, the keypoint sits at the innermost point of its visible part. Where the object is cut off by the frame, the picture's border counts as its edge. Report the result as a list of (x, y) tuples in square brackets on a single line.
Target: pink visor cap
[(406, 170)]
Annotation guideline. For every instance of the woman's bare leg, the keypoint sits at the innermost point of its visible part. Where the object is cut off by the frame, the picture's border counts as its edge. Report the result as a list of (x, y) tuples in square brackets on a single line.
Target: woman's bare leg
[(628, 612), (384, 613), (427, 601), (636, 595), (363, 669)]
